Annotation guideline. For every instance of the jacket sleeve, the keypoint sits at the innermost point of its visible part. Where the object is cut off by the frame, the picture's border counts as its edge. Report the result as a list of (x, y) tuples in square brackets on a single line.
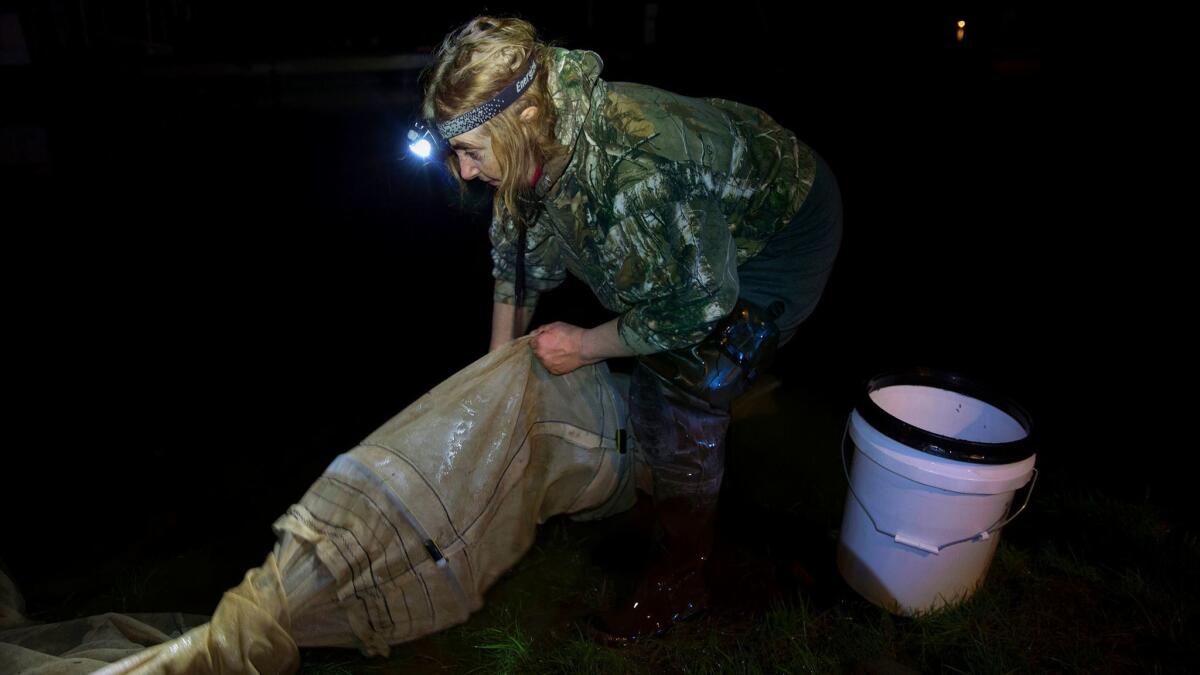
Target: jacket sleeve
[(686, 274), (544, 269)]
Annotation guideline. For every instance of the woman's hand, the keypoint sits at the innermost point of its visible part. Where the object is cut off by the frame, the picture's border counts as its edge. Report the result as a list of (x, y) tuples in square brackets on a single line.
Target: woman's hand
[(559, 346)]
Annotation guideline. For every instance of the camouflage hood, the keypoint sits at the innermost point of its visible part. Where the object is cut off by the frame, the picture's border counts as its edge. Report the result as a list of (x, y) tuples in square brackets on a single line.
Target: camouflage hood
[(577, 91)]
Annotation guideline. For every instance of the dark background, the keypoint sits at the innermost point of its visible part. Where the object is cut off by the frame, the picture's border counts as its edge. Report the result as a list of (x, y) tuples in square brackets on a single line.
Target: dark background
[(220, 273)]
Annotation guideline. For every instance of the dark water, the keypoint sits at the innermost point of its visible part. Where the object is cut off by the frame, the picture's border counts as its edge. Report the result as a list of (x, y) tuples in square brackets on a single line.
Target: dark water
[(221, 283)]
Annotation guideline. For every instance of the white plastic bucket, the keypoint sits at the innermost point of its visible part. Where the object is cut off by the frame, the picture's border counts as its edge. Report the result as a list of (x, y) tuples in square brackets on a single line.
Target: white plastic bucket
[(937, 461)]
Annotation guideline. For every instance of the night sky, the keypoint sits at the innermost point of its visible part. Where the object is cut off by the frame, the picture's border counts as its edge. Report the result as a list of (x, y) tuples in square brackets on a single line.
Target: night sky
[(220, 274)]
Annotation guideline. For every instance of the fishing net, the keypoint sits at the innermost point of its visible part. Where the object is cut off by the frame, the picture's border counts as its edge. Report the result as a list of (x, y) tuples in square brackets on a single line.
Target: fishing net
[(399, 538)]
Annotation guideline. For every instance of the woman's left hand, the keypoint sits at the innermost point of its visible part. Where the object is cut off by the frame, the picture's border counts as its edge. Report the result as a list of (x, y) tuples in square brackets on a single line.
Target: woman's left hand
[(559, 347)]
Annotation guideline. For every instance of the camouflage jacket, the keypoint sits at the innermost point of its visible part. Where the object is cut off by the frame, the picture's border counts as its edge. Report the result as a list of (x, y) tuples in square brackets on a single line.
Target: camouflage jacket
[(662, 197)]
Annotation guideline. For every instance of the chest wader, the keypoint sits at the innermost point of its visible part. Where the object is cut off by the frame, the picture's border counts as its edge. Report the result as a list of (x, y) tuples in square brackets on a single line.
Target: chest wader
[(681, 403), (679, 407)]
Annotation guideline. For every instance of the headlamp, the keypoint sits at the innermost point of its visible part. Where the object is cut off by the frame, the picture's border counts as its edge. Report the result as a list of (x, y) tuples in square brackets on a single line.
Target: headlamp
[(429, 141), (424, 143)]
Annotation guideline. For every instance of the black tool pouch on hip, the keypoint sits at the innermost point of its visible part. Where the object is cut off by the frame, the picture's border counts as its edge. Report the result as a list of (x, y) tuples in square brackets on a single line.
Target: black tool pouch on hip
[(723, 365)]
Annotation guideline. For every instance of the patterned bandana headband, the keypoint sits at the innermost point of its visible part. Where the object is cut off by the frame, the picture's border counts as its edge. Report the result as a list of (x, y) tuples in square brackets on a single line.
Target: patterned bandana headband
[(489, 108)]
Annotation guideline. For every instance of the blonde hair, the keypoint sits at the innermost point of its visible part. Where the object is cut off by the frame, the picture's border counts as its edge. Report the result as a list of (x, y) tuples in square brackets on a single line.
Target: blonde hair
[(471, 66)]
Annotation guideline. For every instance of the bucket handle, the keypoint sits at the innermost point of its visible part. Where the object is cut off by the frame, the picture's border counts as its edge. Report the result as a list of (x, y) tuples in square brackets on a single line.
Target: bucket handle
[(901, 538)]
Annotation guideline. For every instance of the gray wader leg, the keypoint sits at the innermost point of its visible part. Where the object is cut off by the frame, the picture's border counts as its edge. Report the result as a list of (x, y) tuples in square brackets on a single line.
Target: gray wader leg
[(679, 411), (679, 405)]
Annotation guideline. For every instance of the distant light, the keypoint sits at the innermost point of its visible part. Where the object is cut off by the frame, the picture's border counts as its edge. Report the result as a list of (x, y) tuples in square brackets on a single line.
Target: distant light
[(962, 24), (422, 148), (962, 30)]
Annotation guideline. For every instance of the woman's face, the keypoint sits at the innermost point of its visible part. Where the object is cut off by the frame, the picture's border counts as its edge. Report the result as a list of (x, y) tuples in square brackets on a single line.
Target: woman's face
[(475, 158)]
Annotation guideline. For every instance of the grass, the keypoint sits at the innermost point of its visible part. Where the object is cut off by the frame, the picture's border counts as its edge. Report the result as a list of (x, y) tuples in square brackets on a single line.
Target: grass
[(506, 649), (1083, 582)]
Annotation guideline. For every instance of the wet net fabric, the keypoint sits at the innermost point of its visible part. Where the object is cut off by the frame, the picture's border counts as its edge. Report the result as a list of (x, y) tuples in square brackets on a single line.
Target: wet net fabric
[(399, 538)]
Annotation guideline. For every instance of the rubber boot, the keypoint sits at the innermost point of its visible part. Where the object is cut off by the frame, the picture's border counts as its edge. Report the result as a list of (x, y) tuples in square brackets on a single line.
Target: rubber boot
[(673, 586), (682, 437)]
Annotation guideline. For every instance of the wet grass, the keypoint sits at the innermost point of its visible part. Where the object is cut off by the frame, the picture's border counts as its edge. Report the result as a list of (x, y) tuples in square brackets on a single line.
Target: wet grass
[(1084, 582), (1043, 609)]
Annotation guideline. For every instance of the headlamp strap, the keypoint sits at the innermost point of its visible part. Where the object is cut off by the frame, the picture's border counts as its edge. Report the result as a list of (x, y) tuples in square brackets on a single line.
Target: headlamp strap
[(491, 107)]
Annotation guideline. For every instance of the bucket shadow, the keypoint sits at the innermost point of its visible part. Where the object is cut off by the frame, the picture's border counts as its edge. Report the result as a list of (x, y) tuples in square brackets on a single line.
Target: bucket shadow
[(866, 583)]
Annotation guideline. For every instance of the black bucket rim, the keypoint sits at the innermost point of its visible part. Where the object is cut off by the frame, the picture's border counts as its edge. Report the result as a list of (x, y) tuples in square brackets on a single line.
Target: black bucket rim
[(936, 444)]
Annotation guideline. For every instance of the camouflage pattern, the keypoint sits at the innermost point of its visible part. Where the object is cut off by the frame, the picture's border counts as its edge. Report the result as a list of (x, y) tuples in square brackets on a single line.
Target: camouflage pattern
[(662, 197)]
